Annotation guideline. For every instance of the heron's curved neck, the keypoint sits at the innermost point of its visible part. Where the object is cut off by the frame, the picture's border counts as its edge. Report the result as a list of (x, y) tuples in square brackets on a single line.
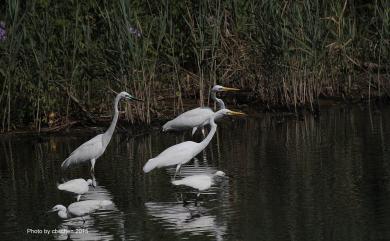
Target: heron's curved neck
[(111, 129), (209, 137), (219, 101)]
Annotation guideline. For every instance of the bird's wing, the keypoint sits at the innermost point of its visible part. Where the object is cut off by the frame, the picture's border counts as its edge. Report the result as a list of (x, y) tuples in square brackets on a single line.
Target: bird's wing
[(78, 186), (189, 119), (200, 182), (177, 154), (87, 151), (88, 206)]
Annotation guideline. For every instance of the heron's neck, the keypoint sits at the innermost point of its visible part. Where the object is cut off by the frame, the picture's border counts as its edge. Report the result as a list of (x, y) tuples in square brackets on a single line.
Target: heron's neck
[(209, 137), (219, 101), (111, 129)]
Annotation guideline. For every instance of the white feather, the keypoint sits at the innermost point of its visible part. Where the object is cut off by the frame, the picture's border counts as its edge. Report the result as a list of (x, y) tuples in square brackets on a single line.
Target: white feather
[(77, 186), (91, 149), (201, 182), (82, 208), (197, 117), (177, 154)]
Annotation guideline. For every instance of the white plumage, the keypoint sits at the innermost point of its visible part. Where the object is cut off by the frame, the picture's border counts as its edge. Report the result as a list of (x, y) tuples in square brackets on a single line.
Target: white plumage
[(182, 153), (198, 117), (79, 209), (77, 186), (200, 182), (174, 155), (94, 148), (192, 119), (90, 150)]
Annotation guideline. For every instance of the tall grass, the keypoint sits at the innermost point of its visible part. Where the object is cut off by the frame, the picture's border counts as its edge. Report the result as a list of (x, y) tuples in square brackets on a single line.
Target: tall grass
[(63, 60)]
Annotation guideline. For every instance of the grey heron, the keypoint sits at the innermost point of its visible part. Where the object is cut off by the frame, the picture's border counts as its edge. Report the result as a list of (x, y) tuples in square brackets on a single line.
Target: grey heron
[(94, 148), (182, 153), (77, 186), (198, 117)]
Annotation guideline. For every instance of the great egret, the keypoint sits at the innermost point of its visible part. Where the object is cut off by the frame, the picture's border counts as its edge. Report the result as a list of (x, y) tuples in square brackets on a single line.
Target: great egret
[(182, 153), (80, 209), (200, 182), (94, 148), (198, 117), (77, 186)]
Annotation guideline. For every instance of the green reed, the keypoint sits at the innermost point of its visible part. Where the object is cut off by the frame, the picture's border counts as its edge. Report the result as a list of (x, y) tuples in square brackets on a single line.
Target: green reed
[(66, 58)]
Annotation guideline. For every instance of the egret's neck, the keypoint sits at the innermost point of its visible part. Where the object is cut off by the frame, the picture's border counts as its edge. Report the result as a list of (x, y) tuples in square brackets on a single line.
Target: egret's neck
[(209, 137), (219, 101), (111, 129), (63, 213)]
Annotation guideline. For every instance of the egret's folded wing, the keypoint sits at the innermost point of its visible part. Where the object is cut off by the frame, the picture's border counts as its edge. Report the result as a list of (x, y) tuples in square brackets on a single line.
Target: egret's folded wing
[(189, 119), (173, 155), (88, 206), (200, 182), (76, 186), (90, 149)]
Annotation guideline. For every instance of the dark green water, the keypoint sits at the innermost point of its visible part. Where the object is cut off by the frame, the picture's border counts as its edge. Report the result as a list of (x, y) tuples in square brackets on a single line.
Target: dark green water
[(325, 179)]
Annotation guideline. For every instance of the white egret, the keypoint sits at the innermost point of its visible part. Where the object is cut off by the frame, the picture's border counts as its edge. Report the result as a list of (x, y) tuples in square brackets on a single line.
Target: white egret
[(94, 148), (80, 209), (200, 182), (182, 153), (77, 186), (198, 117)]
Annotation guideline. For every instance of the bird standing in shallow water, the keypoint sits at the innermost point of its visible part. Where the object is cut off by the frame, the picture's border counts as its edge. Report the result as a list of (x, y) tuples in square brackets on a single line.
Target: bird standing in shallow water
[(182, 153), (80, 209), (200, 182), (77, 186), (94, 148), (198, 117)]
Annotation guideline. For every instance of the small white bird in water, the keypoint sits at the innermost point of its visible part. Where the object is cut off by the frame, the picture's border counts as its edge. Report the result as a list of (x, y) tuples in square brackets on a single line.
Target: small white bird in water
[(80, 209), (77, 186), (182, 153), (94, 148), (198, 117), (200, 182)]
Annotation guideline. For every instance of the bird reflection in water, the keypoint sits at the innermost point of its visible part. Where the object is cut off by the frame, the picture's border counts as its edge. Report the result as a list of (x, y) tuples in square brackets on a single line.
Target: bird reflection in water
[(83, 226), (189, 219)]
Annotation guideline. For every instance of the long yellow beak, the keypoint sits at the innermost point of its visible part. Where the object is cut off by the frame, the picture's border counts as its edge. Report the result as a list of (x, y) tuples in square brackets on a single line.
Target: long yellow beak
[(229, 89), (236, 113)]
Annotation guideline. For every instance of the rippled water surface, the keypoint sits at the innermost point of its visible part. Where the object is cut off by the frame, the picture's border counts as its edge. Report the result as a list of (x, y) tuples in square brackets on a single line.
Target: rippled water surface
[(307, 179)]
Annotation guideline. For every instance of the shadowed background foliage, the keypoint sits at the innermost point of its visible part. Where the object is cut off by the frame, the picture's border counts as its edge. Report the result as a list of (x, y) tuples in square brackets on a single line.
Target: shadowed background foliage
[(61, 60)]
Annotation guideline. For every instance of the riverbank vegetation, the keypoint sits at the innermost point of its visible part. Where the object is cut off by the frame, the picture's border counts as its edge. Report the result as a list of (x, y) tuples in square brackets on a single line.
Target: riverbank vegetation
[(61, 61)]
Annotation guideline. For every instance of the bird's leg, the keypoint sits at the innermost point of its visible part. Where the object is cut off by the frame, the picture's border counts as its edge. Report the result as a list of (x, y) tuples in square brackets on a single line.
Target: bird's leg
[(83, 220), (93, 165), (93, 180), (78, 197), (177, 170), (196, 199), (203, 132)]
